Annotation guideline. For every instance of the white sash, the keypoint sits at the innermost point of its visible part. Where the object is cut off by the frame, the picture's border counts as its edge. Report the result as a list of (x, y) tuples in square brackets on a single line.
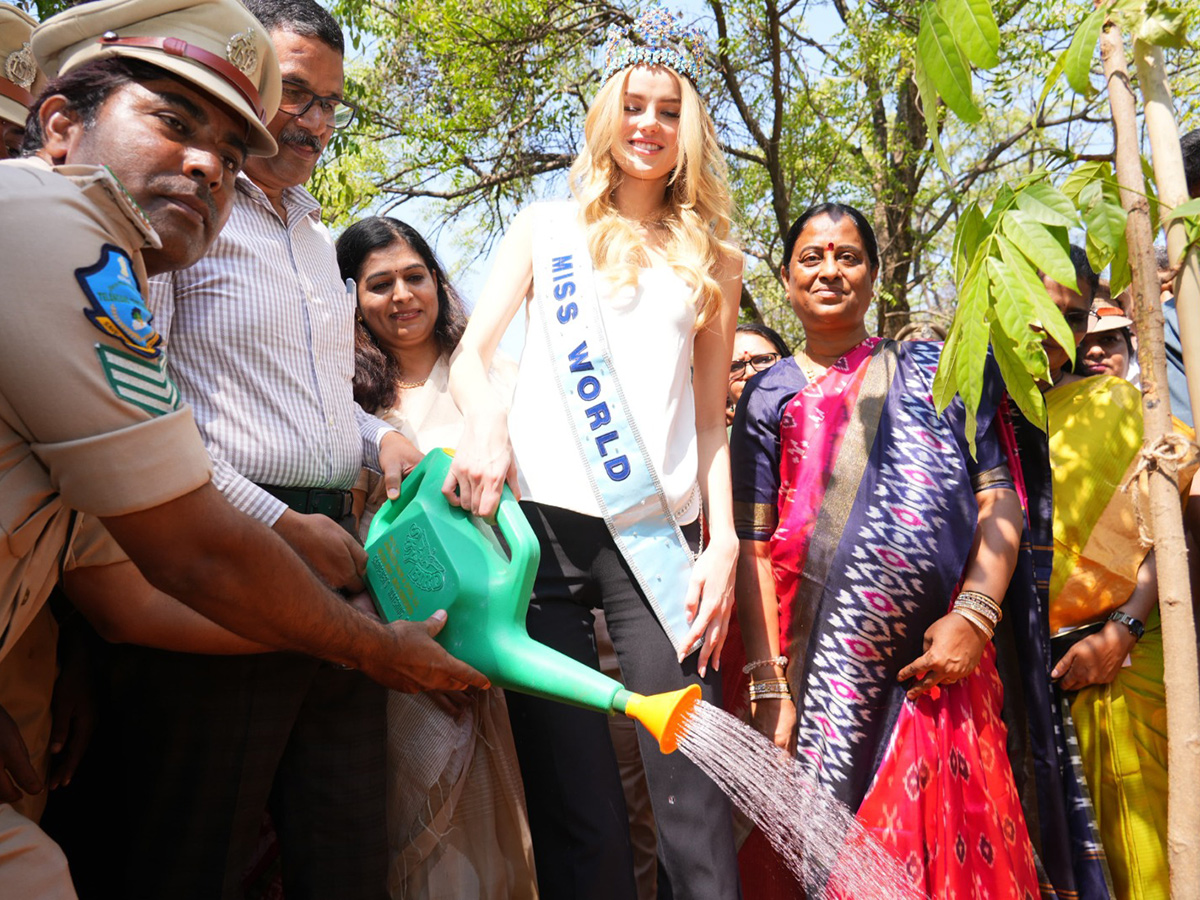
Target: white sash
[(622, 476)]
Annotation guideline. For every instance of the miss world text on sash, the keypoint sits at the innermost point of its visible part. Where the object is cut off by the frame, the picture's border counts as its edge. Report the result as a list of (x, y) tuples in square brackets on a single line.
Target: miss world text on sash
[(622, 476)]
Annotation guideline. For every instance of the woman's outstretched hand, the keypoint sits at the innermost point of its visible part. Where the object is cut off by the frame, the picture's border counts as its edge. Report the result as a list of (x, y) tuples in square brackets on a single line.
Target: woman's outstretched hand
[(482, 464), (953, 648), (710, 601)]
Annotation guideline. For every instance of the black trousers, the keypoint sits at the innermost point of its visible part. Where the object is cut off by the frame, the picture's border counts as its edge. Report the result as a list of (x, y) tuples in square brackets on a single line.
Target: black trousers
[(209, 742), (572, 784)]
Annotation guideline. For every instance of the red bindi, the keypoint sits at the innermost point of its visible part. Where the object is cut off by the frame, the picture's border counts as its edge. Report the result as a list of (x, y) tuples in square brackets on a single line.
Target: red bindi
[(829, 249)]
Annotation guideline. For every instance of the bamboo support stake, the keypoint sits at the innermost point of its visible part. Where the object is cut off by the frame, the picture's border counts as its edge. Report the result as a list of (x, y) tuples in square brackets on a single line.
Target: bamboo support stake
[(1166, 521), (1171, 184)]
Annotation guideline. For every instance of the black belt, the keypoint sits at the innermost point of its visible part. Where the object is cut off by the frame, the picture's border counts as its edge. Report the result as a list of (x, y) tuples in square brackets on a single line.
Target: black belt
[(326, 501)]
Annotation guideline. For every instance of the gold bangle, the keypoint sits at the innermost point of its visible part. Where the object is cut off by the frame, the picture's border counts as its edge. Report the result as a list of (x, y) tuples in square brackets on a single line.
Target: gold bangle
[(986, 610), (764, 681), (976, 620), (982, 598)]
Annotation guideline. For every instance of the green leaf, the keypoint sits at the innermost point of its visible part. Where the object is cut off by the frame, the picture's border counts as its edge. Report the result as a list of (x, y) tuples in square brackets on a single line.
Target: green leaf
[(1014, 311), (974, 28), (1044, 204), (1164, 26), (946, 65), (1005, 199), (1023, 304), (1044, 248), (1083, 48), (970, 232), (971, 357), (1085, 174), (946, 381), (929, 107), (1019, 383), (1151, 194), (1051, 80), (1119, 274), (1184, 210), (1105, 220)]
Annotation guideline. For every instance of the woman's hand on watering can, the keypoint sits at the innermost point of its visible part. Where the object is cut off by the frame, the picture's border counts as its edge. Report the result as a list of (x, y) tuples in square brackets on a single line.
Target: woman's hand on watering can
[(397, 457), (419, 663), (482, 464), (710, 601)]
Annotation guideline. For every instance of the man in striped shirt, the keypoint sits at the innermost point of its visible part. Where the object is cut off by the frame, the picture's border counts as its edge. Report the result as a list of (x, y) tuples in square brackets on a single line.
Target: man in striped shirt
[(259, 338)]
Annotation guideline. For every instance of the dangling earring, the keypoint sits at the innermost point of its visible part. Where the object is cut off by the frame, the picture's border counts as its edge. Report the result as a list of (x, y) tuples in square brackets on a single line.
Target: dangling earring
[(358, 315)]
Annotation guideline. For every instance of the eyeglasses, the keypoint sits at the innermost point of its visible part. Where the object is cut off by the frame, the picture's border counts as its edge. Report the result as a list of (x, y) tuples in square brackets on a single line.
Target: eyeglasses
[(296, 100), (757, 363)]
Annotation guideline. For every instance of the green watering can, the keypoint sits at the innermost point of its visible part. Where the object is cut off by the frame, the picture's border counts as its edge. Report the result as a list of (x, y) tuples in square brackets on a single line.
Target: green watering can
[(424, 555)]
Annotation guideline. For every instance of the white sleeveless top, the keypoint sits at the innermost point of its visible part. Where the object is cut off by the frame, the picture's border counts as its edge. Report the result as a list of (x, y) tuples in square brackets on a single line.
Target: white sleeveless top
[(650, 331)]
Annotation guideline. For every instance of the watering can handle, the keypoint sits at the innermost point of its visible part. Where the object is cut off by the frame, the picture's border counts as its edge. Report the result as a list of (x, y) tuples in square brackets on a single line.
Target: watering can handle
[(522, 542), (391, 509)]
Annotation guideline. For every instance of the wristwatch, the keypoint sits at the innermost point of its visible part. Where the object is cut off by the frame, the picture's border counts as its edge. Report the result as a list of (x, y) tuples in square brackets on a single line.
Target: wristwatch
[(1136, 628)]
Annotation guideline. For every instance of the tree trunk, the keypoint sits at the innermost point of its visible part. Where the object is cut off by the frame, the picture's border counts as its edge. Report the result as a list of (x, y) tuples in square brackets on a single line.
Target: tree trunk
[(1171, 182), (899, 149), (1174, 592)]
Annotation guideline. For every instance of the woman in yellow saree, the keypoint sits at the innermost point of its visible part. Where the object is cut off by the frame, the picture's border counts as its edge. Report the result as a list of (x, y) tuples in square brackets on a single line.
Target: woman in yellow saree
[(1104, 624)]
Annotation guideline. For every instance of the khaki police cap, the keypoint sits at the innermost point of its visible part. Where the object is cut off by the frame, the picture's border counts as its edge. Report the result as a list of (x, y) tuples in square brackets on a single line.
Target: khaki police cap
[(215, 44), (20, 77)]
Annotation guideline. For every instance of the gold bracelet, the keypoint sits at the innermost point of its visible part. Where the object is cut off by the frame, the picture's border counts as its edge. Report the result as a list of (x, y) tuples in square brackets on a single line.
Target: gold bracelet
[(757, 690), (982, 600), (988, 612), (774, 695), (977, 620), (768, 681)]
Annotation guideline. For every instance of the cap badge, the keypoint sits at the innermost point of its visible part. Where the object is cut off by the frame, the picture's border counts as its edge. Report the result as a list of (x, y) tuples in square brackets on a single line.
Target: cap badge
[(20, 68), (242, 51)]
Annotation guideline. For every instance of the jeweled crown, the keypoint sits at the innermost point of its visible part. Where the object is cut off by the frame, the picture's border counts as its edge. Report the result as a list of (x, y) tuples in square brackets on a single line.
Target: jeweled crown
[(656, 38)]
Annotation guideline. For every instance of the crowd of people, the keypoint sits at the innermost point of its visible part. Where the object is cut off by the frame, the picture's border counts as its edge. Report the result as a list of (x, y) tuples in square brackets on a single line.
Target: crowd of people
[(952, 625)]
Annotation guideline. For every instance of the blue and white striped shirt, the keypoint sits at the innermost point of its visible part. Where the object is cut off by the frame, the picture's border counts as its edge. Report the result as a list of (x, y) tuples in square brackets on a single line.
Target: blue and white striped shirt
[(260, 337)]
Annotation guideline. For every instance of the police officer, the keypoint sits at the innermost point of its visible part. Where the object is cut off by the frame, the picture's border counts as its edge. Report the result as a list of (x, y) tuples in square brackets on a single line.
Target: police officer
[(20, 78), (151, 110)]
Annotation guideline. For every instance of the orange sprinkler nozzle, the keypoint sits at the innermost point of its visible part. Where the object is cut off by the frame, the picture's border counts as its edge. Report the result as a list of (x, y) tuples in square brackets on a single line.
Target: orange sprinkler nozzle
[(664, 714)]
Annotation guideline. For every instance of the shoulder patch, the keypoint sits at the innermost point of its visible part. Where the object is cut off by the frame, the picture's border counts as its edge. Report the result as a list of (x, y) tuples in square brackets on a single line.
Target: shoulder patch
[(117, 306), (140, 381)]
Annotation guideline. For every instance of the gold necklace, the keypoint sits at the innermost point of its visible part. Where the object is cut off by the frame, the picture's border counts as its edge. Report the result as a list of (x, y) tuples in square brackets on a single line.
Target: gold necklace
[(807, 367), (412, 384)]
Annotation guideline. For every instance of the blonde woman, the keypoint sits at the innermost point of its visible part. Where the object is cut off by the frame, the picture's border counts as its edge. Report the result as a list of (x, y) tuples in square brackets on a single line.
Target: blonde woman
[(615, 442)]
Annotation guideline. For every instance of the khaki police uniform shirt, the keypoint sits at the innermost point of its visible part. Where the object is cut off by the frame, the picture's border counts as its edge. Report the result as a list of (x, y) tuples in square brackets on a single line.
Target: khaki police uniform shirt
[(89, 419)]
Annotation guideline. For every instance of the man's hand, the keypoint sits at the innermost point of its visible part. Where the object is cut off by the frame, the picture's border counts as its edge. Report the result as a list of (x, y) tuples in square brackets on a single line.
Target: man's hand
[(327, 547), (72, 709), (17, 775), (397, 457), (416, 662)]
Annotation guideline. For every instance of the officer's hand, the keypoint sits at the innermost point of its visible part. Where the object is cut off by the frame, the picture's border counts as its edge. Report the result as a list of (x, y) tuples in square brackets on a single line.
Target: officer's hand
[(397, 457), (327, 547), (416, 662), (73, 714), (17, 775)]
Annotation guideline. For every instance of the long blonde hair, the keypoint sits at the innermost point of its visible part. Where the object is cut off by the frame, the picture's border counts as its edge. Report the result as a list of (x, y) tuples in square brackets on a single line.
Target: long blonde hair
[(699, 207)]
